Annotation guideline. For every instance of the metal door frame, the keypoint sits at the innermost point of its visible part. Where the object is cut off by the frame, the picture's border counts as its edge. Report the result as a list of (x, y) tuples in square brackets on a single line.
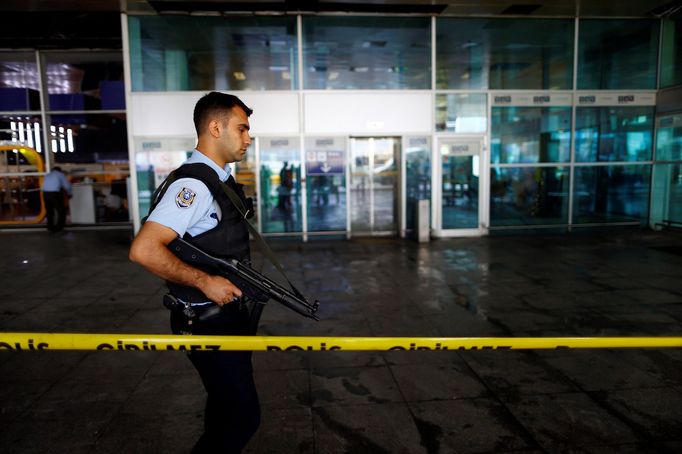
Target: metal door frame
[(483, 186)]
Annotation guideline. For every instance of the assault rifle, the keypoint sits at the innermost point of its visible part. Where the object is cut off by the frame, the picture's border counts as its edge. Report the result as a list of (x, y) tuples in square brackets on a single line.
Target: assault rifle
[(253, 284)]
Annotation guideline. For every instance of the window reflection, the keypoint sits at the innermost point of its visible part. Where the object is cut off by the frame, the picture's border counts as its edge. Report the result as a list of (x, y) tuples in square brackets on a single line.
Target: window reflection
[(529, 196), (666, 202), (213, 53), (85, 81), (19, 82), (464, 113), (417, 175), (530, 134), (504, 53), (606, 194), (669, 138), (367, 52), (280, 185), (671, 53), (326, 183), (613, 133), (617, 54)]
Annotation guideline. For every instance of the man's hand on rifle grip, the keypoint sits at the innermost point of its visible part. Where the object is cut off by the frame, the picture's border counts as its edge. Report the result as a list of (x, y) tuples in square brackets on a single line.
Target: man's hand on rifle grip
[(218, 289)]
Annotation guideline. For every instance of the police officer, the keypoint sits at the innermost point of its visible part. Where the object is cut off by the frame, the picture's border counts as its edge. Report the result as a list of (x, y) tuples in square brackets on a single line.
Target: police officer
[(194, 206)]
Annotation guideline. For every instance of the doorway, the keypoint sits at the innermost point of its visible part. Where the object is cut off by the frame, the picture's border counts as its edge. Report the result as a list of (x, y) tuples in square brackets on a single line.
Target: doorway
[(374, 185)]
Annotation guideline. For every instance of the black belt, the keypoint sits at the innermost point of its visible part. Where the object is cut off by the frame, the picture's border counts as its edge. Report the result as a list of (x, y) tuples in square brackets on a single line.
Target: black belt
[(193, 311)]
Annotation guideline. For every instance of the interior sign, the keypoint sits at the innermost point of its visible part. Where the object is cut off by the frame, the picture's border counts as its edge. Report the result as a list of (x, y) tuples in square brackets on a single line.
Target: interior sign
[(626, 99), (541, 99), (325, 162)]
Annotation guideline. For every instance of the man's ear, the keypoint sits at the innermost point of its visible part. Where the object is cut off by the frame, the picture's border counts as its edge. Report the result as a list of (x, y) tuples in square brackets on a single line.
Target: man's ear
[(214, 128)]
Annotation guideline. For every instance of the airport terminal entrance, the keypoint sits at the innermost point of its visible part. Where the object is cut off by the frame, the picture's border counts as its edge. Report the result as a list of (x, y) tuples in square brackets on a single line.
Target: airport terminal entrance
[(374, 185)]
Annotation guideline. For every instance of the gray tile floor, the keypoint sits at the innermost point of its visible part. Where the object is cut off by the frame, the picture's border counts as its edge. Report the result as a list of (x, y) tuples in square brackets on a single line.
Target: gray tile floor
[(601, 401)]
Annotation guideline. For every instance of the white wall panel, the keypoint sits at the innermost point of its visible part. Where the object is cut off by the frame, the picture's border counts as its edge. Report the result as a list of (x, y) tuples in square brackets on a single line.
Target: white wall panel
[(368, 113), (170, 113)]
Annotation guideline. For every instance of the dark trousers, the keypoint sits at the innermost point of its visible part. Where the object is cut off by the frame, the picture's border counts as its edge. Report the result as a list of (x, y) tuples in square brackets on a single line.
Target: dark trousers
[(232, 409), (56, 210)]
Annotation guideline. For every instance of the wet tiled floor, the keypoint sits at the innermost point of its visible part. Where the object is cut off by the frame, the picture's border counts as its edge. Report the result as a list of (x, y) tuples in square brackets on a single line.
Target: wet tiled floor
[(598, 284)]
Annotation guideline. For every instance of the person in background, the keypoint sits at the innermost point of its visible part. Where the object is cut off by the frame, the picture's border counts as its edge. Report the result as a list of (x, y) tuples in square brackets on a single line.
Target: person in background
[(55, 185)]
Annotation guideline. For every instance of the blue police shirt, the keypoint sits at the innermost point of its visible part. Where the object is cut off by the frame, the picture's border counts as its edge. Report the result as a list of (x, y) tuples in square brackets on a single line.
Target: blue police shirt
[(188, 205), (55, 181)]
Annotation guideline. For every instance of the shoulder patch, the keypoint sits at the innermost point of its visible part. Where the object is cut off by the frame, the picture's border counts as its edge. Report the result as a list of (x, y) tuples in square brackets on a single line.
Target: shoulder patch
[(185, 198)]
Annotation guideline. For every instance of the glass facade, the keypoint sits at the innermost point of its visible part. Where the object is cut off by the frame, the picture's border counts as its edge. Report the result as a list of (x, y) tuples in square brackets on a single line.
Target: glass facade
[(537, 172), (175, 53), (613, 193), (367, 52), (614, 134), (617, 54), (530, 135), (504, 54), (527, 196), (671, 53)]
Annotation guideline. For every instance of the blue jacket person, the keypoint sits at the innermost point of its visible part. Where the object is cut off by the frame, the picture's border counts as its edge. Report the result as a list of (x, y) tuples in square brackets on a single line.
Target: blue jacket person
[(193, 206)]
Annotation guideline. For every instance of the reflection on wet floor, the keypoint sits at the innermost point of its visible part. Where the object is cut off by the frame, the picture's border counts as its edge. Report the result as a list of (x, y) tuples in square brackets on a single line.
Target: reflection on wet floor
[(622, 283)]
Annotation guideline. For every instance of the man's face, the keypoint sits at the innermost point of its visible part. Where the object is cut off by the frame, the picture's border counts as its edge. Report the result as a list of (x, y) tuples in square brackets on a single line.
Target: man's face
[(234, 135)]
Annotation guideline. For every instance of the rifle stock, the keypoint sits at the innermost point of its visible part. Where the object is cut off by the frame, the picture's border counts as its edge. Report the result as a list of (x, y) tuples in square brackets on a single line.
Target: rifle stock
[(253, 284)]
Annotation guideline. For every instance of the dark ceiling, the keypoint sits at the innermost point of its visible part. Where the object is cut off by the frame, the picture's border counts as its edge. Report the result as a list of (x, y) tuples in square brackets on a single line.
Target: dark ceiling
[(581, 8), (68, 24)]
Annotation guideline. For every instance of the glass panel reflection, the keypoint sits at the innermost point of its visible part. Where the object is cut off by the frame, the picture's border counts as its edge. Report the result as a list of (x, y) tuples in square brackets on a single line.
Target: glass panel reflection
[(19, 197), (21, 129), (367, 52), (88, 138), (152, 168), (326, 183), (19, 84), (280, 185), (669, 139), (417, 174), (530, 134), (374, 184), (85, 80), (666, 202), (466, 112), (614, 133), (617, 54), (671, 52), (504, 53), (606, 194), (529, 196), (460, 191), (173, 53)]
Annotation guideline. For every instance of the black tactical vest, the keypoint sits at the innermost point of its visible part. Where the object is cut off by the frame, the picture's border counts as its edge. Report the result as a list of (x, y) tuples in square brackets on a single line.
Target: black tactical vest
[(230, 238)]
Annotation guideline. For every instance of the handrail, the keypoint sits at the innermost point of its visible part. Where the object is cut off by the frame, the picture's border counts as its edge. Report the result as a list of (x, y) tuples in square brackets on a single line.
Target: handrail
[(34, 158)]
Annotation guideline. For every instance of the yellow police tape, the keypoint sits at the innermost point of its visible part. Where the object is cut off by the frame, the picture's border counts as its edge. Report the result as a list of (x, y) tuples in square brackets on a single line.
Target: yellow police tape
[(156, 342)]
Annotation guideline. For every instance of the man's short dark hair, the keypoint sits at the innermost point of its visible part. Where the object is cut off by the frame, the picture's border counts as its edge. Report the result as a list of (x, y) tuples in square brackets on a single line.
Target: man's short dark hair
[(57, 168), (215, 103)]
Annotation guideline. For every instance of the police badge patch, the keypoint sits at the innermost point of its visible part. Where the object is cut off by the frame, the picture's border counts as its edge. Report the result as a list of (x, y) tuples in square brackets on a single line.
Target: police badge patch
[(185, 198)]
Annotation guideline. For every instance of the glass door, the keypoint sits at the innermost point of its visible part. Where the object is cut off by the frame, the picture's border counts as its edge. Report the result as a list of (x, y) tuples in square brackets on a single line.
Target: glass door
[(374, 185), (280, 185), (461, 200)]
